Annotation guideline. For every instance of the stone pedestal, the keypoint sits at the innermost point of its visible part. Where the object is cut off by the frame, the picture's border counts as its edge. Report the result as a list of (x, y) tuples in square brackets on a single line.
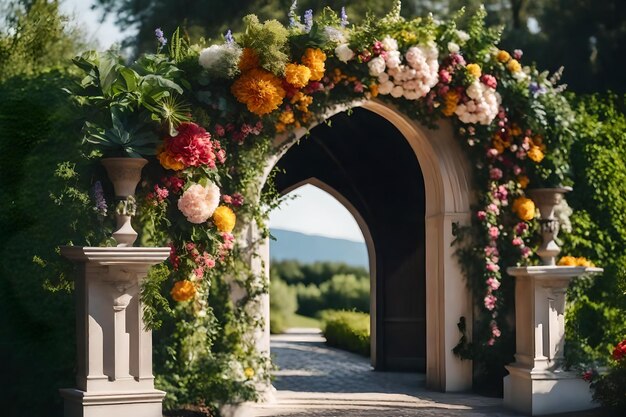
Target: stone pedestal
[(536, 383), (114, 350)]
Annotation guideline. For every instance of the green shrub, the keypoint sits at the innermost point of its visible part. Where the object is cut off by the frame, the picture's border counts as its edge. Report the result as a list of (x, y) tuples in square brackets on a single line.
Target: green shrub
[(283, 304), (310, 299), (598, 228), (349, 330), (293, 272), (344, 292)]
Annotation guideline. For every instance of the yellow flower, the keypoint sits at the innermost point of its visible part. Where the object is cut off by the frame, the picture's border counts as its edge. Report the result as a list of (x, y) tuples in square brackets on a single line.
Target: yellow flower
[(297, 75), (536, 154), (248, 60), (499, 144), (568, 261), (374, 90), (225, 219), (583, 262), (183, 290), (524, 208), (474, 70), (503, 56), (260, 90), (523, 181), (169, 162), (514, 66), (286, 117), (248, 372), (304, 103), (314, 59), (450, 102)]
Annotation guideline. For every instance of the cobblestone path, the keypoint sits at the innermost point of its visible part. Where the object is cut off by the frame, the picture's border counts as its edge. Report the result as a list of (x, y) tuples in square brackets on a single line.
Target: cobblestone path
[(315, 380)]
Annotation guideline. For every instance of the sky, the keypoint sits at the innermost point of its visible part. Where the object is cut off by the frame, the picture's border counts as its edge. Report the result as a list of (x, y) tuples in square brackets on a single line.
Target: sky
[(313, 212)]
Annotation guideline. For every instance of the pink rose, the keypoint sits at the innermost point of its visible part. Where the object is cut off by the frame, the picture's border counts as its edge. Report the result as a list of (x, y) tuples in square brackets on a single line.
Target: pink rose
[(481, 215), (517, 241), (492, 208), (493, 283), (494, 232), (198, 202), (495, 173), (491, 267), (490, 302)]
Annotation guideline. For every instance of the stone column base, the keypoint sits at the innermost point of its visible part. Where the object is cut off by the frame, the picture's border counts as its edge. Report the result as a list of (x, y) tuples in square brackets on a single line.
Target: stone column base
[(536, 393), (79, 403)]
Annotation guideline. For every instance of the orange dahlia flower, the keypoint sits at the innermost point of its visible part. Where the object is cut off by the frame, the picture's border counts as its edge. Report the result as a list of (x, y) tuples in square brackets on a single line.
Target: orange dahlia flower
[(260, 90), (314, 59), (183, 291)]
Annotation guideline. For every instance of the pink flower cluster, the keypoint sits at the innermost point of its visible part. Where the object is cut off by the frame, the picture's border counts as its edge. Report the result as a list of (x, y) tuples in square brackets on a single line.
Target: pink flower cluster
[(202, 261), (236, 199), (158, 196), (228, 243), (199, 202), (239, 134), (192, 147)]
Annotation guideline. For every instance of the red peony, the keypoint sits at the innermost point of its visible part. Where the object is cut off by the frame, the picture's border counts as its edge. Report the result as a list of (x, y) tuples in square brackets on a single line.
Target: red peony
[(619, 352), (192, 146)]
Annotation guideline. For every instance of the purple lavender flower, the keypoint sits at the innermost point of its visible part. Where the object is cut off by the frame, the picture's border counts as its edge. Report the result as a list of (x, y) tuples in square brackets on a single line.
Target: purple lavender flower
[(308, 20), (160, 37), (344, 17), (229, 37), (536, 89), (98, 196), (292, 14)]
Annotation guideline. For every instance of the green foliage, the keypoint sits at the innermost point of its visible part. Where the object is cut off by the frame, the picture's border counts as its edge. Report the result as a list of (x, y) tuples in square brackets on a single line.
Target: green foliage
[(349, 330), (36, 301), (269, 39), (310, 299), (346, 292), (610, 390), (599, 230), (294, 272), (122, 104), (35, 38), (324, 285), (283, 304)]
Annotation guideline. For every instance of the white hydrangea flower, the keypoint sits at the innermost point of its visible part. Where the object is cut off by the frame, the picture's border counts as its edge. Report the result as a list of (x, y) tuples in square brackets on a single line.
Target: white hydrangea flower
[(393, 59), (397, 91), (211, 56), (462, 35), (220, 60), (334, 34), (482, 107), (385, 88), (376, 66), (344, 53), (453, 47), (390, 44)]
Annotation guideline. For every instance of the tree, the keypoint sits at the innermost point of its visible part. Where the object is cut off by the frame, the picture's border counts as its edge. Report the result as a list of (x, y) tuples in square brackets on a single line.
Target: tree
[(35, 37)]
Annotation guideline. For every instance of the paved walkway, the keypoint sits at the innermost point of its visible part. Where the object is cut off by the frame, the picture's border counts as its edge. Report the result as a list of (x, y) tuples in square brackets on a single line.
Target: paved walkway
[(315, 380)]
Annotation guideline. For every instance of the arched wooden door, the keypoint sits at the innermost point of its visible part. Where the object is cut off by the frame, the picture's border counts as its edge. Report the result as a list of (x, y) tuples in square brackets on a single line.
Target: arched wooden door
[(368, 161)]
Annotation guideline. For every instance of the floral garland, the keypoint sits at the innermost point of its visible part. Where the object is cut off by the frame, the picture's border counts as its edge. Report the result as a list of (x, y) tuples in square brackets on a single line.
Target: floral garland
[(222, 105)]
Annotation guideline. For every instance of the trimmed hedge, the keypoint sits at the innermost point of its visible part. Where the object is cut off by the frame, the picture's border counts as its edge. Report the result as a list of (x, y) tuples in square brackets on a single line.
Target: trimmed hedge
[(349, 330)]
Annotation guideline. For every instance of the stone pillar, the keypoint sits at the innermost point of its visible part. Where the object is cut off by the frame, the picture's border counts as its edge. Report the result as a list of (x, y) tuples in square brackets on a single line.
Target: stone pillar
[(113, 347), (537, 383)]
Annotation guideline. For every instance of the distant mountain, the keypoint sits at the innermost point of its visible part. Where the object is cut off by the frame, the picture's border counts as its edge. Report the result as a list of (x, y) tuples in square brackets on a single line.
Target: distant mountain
[(311, 248)]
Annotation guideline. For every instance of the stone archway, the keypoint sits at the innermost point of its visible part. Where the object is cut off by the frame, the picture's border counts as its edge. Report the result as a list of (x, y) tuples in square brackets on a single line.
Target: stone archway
[(446, 177)]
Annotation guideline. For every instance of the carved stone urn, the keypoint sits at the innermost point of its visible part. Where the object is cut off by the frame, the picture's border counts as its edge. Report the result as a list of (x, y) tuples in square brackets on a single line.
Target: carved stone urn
[(546, 199), (125, 174)]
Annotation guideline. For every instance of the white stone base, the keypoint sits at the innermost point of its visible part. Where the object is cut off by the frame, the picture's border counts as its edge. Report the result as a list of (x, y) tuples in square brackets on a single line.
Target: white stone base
[(536, 393), (112, 404)]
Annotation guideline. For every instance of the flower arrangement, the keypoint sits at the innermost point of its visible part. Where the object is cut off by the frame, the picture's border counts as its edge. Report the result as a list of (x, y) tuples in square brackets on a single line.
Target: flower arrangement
[(211, 128)]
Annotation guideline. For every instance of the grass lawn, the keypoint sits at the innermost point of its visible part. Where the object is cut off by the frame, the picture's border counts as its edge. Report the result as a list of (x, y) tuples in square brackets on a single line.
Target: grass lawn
[(297, 320)]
